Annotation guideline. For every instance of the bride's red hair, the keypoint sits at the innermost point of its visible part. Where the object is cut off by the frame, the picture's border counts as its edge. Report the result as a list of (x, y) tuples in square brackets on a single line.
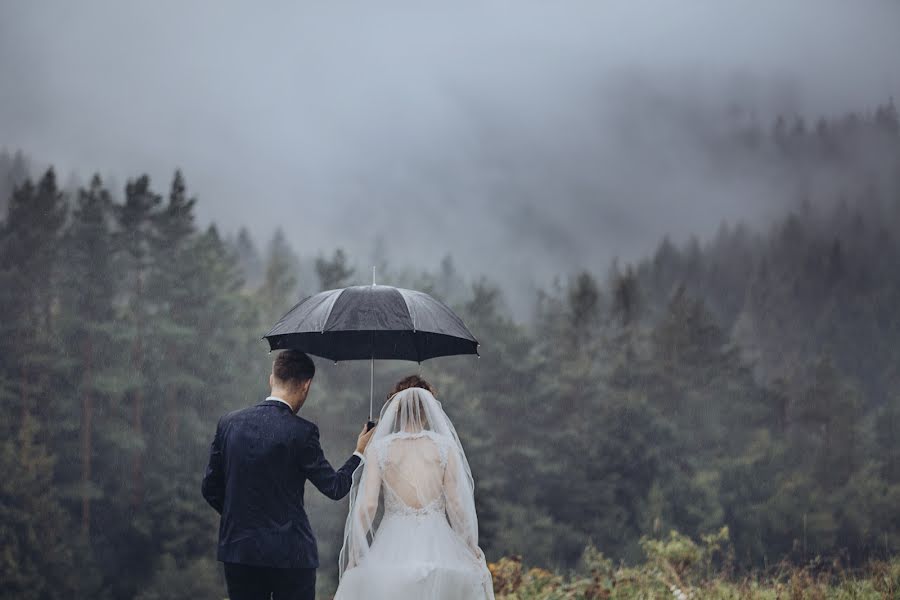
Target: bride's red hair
[(411, 382)]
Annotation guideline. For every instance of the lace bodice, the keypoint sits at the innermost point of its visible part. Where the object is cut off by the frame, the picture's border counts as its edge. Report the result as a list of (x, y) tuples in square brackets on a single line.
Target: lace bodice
[(381, 447), (412, 467)]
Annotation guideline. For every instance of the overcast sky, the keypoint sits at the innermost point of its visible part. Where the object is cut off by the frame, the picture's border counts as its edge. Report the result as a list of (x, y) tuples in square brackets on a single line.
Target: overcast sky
[(521, 137)]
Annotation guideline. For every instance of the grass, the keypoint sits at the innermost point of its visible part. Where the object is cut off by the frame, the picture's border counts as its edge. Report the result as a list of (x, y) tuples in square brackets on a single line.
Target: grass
[(678, 568)]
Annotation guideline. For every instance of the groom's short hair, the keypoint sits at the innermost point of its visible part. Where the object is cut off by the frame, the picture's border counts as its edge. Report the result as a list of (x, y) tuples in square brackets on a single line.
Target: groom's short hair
[(293, 366)]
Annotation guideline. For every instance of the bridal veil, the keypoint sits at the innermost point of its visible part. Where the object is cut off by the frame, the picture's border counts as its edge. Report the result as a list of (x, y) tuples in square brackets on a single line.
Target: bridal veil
[(416, 490)]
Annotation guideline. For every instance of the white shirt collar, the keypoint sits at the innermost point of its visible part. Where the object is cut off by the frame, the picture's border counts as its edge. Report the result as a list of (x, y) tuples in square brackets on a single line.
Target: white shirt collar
[(277, 399)]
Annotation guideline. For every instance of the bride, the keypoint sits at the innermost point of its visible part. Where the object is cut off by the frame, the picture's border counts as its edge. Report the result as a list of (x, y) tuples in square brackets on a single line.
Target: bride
[(412, 532)]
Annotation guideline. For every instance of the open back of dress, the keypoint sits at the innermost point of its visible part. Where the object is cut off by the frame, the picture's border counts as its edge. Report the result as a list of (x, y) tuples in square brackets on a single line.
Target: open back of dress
[(412, 472), (417, 480)]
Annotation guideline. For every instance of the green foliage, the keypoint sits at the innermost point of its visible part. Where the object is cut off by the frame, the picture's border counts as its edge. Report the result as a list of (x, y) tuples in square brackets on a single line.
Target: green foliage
[(276, 294), (679, 568), (40, 557), (130, 352), (747, 384), (334, 272)]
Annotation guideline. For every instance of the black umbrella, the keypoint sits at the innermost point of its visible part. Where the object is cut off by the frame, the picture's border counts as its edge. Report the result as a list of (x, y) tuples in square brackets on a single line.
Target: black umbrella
[(369, 322)]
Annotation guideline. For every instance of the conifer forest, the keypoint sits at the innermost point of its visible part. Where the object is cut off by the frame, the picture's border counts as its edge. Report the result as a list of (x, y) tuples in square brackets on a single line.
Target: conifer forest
[(746, 383), (670, 228)]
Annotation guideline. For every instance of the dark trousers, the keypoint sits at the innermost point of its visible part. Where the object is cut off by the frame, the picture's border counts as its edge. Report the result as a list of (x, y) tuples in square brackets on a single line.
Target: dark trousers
[(246, 582)]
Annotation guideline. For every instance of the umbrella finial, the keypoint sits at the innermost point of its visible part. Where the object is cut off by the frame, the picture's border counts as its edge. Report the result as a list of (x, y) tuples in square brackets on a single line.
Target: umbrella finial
[(373, 275)]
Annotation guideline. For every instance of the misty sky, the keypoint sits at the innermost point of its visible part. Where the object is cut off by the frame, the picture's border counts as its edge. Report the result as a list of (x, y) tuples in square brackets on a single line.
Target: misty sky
[(524, 138)]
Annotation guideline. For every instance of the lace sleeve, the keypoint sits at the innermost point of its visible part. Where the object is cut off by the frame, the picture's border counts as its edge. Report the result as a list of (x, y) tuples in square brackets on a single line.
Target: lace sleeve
[(380, 451), (460, 501), (443, 449), (371, 486)]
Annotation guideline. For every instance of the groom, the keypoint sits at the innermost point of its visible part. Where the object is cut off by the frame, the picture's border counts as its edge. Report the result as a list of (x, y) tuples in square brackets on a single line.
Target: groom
[(259, 462)]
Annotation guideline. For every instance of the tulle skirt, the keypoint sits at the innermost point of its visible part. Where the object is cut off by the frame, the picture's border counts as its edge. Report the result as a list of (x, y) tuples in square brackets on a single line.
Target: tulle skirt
[(417, 558)]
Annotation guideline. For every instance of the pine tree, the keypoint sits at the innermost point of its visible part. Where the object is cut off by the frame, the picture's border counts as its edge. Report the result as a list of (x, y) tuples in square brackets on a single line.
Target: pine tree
[(248, 258), (449, 285), (171, 293), (687, 338), (39, 554), (277, 292), (826, 416), (88, 319), (666, 268), (29, 247), (334, 272), (14, 170), (136, 220), (887, 120), (583, 310), (626, 297)]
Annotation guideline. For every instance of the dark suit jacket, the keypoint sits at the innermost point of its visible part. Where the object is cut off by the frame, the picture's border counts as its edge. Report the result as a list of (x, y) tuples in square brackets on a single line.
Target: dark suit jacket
[(259, 462)]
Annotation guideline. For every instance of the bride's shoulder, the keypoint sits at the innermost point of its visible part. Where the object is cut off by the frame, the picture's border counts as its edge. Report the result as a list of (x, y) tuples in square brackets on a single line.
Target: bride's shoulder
[(443, 443)]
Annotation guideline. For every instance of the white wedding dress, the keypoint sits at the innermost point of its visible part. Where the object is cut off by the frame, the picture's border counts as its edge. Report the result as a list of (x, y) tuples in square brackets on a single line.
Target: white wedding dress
[(412, 532)]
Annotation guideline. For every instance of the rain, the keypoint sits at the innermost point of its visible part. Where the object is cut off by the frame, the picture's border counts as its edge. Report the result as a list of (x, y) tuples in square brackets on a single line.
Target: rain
[(673, 229)]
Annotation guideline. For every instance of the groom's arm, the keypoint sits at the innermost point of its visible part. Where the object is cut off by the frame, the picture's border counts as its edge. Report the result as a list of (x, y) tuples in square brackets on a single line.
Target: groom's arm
[(213, 487), (334, 484)]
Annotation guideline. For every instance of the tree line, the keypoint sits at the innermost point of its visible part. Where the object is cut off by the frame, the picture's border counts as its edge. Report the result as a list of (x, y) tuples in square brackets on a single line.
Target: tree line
[(748, 381)]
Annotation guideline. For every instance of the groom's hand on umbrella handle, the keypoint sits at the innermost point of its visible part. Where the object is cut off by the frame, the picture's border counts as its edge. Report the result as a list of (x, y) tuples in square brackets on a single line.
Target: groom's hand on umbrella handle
[(363, 440)]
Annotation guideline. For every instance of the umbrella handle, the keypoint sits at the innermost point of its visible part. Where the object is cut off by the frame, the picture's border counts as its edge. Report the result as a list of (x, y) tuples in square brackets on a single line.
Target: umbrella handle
[(370, 424)]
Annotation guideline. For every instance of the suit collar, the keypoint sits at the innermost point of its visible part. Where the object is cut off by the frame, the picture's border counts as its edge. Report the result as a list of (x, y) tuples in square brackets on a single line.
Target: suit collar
[(275, 401)]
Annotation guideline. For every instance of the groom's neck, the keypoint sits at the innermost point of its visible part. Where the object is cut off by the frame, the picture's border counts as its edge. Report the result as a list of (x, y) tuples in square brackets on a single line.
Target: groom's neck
[(287, 396)]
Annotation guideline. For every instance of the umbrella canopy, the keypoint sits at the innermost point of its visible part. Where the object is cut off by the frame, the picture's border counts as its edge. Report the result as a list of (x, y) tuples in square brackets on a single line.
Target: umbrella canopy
[(372, 321)]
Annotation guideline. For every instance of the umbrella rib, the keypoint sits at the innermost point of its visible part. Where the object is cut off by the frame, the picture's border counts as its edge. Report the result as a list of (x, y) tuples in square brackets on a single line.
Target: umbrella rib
[(409, 311), (412, 319), (331, 308)]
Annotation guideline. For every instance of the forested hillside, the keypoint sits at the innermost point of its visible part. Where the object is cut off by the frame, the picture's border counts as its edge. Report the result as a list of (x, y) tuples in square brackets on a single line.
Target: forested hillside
[(750, 381)]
